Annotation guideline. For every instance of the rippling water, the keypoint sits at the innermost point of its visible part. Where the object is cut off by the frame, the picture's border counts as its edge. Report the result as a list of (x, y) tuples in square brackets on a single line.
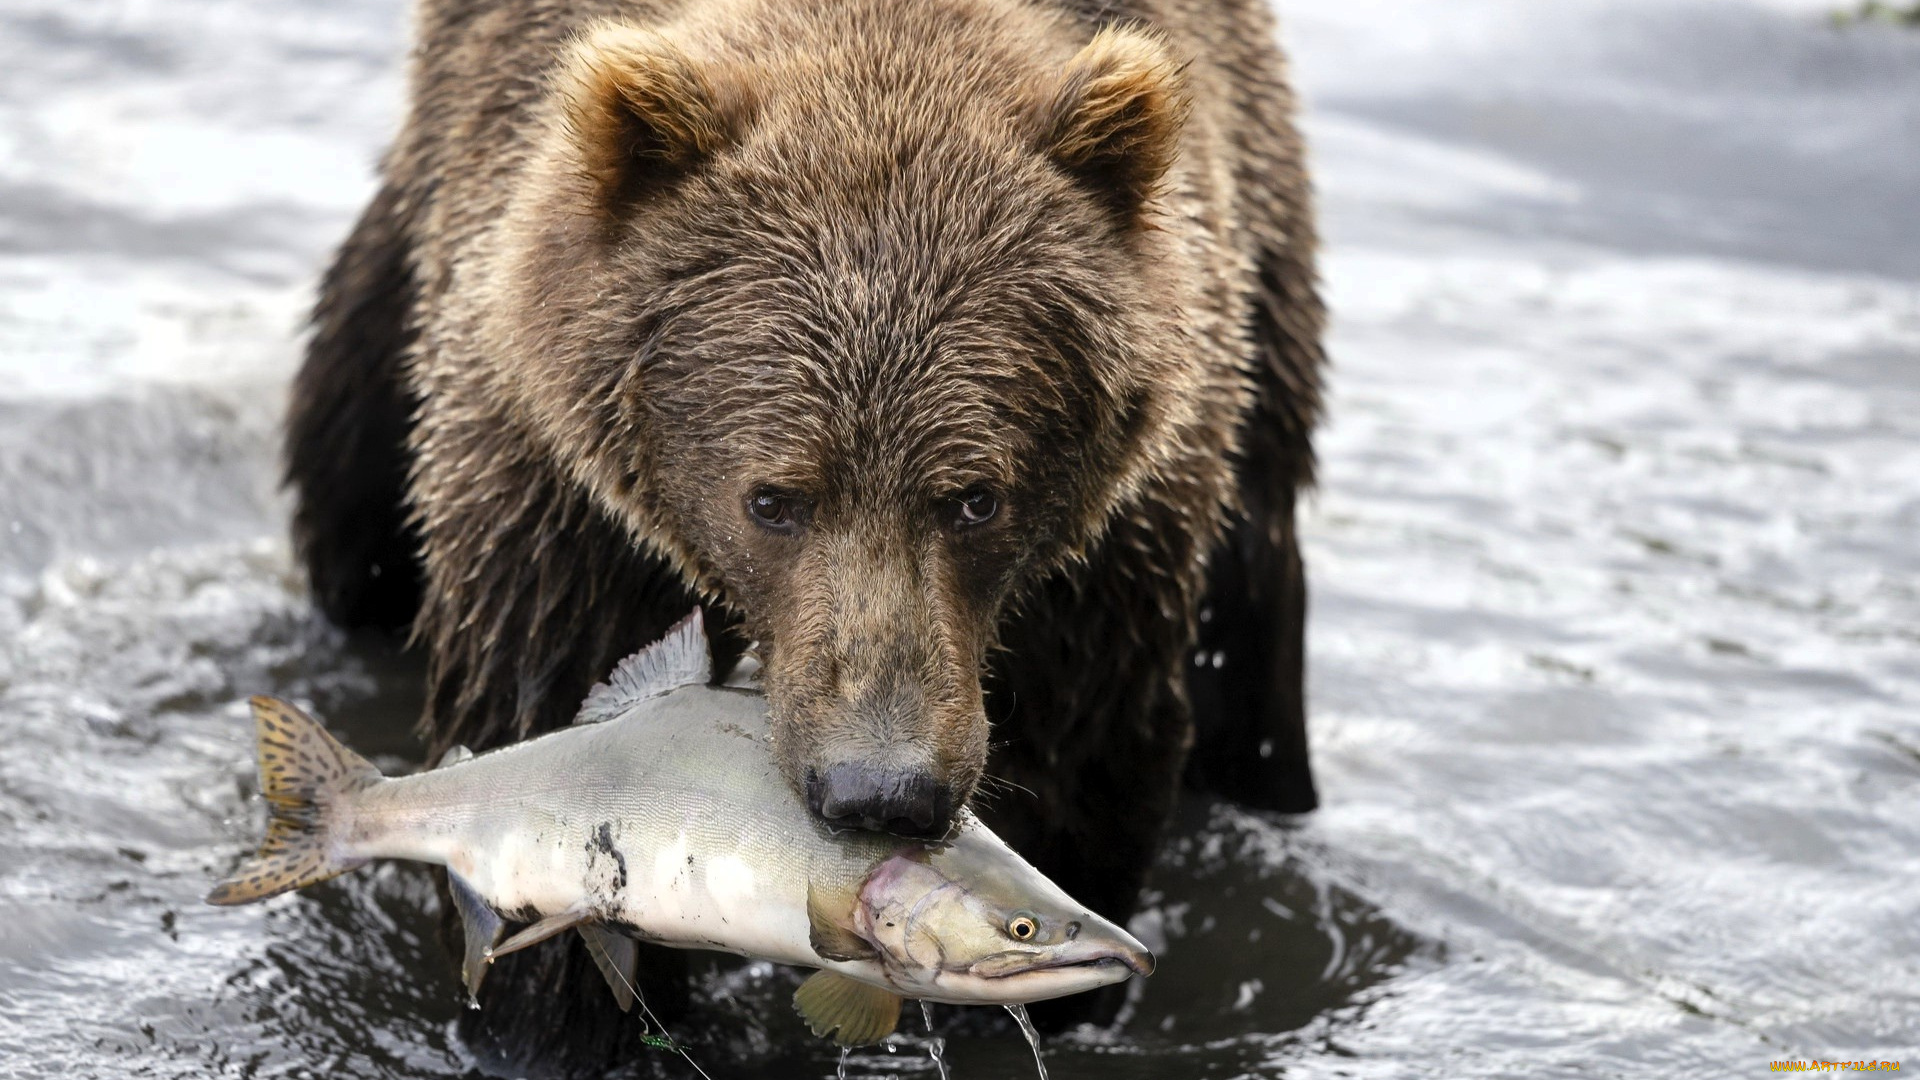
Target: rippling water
[(1614, 665)]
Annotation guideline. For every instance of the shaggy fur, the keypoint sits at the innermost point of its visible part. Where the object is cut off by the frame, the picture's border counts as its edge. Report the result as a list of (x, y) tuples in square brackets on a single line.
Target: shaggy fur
[(636, 264)]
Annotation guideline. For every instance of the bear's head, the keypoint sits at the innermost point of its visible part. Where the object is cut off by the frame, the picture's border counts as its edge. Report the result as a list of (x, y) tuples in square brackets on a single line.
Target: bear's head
[(862, 314)]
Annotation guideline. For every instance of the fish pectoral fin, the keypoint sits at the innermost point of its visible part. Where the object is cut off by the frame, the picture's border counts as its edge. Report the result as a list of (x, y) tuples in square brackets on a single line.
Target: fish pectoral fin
[(848, 1011), (539, 932), (831, 938), (616, 956), (482, 927)]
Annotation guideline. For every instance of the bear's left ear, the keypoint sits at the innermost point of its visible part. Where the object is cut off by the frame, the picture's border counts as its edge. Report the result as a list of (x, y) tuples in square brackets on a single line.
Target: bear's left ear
[(639, 112), (1114, 122)]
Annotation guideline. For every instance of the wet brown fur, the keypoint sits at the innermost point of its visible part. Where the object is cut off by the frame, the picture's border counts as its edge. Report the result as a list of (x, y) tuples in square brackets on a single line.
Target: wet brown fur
[(656, 257)]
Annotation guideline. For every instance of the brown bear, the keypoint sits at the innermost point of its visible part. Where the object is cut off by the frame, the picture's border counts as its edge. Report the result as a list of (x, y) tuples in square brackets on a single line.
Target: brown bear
[(962, 355)]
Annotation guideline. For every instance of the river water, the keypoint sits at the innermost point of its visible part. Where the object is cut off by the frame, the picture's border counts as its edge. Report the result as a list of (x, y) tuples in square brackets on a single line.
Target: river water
[(1616, 591)]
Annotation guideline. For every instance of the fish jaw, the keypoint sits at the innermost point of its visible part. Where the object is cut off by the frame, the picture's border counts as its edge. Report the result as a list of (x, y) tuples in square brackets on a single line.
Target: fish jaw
[(942, 924), (1013, 979), (1101, 955), (1033, 984), (1109, 948)]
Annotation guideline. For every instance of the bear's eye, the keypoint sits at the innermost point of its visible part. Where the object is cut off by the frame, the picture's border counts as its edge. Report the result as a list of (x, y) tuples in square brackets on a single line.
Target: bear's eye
[(775, 510), (975, 506)]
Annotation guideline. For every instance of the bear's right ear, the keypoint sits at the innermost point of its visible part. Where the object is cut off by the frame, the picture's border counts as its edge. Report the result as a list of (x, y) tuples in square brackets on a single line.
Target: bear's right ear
[(639, 112), (1114, 121)]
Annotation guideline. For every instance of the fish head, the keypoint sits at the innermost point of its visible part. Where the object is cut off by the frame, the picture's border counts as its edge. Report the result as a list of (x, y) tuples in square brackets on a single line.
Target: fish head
[(971, 922)]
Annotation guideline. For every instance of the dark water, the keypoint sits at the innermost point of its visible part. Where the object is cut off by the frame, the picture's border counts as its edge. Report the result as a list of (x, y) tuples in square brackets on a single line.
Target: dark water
[(1614, 667)]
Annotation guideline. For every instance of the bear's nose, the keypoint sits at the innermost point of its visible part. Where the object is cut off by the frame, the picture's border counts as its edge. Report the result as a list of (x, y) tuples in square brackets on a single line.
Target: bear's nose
[(905, 802)]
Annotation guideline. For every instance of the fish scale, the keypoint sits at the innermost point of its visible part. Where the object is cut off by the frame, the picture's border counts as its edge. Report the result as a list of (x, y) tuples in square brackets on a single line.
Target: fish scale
[(670, 820), (661, 815)]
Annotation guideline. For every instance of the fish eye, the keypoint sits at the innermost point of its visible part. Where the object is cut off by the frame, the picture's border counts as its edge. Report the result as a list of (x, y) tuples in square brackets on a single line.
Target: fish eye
[(1022, 928)]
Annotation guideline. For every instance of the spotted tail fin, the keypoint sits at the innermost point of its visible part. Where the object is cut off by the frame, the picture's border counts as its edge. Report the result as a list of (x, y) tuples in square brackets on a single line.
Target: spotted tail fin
[(305, 776)]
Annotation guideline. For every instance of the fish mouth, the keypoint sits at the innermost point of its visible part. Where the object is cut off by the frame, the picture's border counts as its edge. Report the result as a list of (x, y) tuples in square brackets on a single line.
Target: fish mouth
[(1133, 957)]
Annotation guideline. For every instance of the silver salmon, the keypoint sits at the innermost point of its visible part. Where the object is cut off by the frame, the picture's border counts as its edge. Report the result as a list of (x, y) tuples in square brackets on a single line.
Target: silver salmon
[(661, 816)]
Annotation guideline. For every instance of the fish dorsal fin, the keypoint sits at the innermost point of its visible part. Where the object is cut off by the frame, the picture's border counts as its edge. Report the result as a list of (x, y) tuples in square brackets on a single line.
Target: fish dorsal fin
[(482, 926), (616, 956), (830, 937), (676, 660), (848, 1011)]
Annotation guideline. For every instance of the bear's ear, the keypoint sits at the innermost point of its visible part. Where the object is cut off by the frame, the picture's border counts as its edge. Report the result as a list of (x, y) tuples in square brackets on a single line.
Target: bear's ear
[(639, 111), (1114, 122)]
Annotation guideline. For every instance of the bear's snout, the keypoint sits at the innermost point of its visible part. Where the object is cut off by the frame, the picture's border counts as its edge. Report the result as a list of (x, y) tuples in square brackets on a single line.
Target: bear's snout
[(905, 801), (873, 659)]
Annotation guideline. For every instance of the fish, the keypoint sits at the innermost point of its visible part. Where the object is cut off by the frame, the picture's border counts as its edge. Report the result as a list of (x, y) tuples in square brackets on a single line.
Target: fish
[(660, 815)]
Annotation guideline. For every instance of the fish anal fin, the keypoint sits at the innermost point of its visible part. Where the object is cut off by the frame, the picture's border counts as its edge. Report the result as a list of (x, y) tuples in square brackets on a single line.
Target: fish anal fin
[(848, 1011), (616, 956), (482, 927), (539, 932), (830, 937)]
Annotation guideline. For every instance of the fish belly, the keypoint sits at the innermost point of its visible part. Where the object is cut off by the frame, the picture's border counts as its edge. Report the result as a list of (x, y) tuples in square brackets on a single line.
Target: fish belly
[(708, 886), (672, 822)]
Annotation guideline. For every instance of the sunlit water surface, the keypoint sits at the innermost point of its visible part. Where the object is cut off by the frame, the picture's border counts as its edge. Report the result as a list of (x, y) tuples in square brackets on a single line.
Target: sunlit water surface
[(1615, 599)]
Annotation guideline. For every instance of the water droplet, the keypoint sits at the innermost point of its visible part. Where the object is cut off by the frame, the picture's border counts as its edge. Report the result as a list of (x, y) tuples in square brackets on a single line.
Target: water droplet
[(936, 1046), (1019, 1013)]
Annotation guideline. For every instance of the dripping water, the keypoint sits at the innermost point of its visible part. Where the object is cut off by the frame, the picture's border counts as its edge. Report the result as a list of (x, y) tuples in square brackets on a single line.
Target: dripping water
[(1019, 1014), (844, 1052), (936, 1046)]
